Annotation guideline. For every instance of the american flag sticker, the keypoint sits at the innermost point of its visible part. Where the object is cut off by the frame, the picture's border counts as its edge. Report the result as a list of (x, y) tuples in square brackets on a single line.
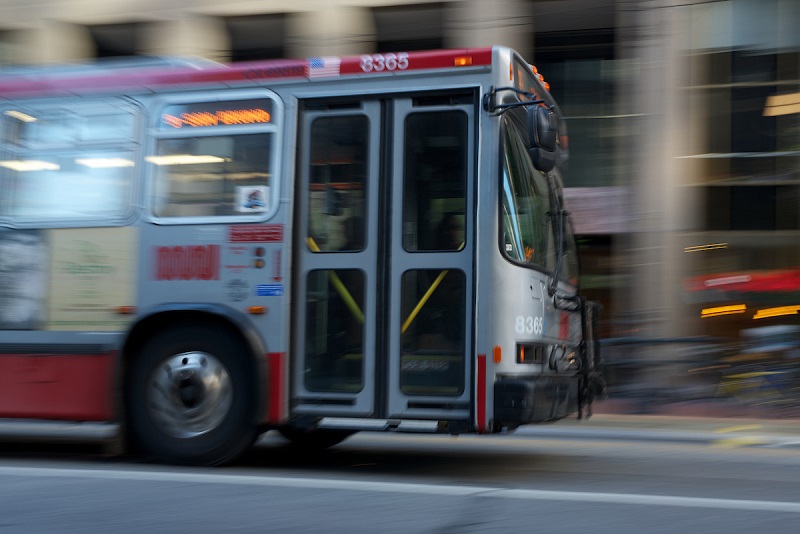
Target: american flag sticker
[(319, 67)]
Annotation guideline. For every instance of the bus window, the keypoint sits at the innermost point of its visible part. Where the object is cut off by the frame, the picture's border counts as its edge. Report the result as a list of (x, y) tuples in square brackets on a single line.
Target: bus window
[(212, 176), (435, 179), (53, 128), (215, 159), (525, 220), (63, 165), (337, 190)]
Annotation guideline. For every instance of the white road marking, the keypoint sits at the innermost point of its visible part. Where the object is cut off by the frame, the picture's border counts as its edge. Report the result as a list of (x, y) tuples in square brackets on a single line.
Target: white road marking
[(395, 487)]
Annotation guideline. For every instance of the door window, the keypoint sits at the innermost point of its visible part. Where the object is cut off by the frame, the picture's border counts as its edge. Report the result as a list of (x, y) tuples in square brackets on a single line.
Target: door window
[(337, 186), (335, 331), (434, 181), (334, 339)]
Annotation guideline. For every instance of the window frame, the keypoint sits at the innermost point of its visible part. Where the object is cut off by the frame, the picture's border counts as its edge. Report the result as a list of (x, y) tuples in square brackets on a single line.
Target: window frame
[(274, 128)]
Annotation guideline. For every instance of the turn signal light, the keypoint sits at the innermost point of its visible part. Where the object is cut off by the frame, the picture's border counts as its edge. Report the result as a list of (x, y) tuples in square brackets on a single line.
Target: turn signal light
[(463, 61)]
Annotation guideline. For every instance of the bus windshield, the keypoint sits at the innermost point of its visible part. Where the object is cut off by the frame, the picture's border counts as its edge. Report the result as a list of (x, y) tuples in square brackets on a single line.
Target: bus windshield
[(526, 226)]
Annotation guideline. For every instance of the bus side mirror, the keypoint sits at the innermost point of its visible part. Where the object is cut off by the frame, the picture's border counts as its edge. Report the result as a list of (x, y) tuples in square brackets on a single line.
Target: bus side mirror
[(543, 134)]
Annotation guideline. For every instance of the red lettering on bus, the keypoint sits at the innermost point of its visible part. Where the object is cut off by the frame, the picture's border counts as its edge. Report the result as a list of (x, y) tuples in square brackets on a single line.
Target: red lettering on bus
[(263, 233), (194, 262)]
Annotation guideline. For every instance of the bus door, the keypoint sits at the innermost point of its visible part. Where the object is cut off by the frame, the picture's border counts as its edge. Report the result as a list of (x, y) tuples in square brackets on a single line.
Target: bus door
[(383, 259)]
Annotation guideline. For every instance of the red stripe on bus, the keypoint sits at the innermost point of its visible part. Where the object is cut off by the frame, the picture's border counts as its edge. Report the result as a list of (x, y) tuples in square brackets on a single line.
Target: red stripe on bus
[(276, 363), (147, 78), (409, 61), (481, 396), (57, 386)]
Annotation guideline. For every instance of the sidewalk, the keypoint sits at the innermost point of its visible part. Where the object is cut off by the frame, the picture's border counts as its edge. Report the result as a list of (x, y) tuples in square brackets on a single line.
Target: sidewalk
[(696, 414), (684, 423)]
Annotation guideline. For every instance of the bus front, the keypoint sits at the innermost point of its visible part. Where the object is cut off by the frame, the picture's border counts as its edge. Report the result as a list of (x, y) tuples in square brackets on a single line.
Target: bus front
[(538, 359)]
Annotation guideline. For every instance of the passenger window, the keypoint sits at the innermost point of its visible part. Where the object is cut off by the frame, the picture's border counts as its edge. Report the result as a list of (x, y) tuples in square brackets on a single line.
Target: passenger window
[(212, 176), (214, 159), (61, 162)]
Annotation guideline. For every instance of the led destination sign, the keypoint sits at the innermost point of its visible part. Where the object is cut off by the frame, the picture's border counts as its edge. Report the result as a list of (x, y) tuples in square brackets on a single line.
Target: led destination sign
[(212, 114)]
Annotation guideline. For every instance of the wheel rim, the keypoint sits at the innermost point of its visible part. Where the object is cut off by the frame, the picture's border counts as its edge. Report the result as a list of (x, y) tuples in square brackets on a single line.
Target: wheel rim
[(189, 394)]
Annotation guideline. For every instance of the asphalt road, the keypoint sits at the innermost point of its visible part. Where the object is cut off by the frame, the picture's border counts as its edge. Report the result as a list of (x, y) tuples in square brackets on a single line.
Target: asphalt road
[(524, 482)]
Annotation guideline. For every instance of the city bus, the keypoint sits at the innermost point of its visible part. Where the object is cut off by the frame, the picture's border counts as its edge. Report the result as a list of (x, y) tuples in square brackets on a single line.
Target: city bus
[(197, 253)]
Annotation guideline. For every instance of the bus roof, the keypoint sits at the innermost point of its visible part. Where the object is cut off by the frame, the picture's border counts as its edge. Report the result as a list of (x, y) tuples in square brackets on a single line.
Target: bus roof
[(137, 75)]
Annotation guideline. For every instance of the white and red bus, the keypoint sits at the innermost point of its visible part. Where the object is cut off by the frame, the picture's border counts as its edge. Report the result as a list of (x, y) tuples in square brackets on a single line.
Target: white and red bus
[(199, 253)]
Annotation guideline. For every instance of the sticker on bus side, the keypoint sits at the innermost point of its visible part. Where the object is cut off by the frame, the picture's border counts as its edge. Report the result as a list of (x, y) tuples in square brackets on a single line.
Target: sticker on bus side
[(238, 290), (269, 290), (252, 199), (251, 233)]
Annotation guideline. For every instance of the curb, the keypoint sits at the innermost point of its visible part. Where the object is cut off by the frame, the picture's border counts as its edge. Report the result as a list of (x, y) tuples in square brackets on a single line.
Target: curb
[(730, 437)]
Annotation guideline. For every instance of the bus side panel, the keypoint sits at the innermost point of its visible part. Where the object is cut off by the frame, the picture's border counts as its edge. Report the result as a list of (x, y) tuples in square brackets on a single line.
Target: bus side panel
[(62, 292), (57, 386)]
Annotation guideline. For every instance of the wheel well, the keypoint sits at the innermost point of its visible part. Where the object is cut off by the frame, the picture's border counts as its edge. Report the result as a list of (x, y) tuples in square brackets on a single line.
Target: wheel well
[(167, 319)]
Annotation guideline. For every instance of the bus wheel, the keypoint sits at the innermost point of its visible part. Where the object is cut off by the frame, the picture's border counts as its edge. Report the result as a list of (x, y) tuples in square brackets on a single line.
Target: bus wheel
[(190, 396), (317, 439)]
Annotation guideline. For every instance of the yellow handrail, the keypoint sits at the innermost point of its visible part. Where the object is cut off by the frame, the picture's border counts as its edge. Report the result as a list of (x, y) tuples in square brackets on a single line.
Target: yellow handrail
[(348, 299), (423, 300), (352, 305), (425, 297)]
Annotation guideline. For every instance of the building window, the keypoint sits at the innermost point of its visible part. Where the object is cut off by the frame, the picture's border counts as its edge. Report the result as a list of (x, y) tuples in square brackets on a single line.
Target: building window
[(409, 27), (583, 76), (749, 158), (116, 40), (745, 208), (256, 37)]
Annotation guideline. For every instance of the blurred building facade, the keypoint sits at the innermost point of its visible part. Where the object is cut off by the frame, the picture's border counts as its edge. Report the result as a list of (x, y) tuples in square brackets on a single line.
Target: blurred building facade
[(683, 115)]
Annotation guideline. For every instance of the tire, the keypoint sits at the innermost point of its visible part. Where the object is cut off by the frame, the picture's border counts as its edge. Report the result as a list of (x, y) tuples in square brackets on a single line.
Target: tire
[(190, 395), (317, 439)]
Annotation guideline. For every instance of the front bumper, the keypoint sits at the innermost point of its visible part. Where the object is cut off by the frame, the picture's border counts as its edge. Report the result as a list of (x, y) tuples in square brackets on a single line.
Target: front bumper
[(519, 401)]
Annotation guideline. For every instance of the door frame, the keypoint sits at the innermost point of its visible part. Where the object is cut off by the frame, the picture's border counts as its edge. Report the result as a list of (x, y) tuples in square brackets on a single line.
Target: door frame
[(383, 261)]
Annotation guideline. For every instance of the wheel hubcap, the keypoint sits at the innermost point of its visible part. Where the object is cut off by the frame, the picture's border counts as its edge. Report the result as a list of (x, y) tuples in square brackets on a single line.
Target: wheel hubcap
[(189, 394)]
